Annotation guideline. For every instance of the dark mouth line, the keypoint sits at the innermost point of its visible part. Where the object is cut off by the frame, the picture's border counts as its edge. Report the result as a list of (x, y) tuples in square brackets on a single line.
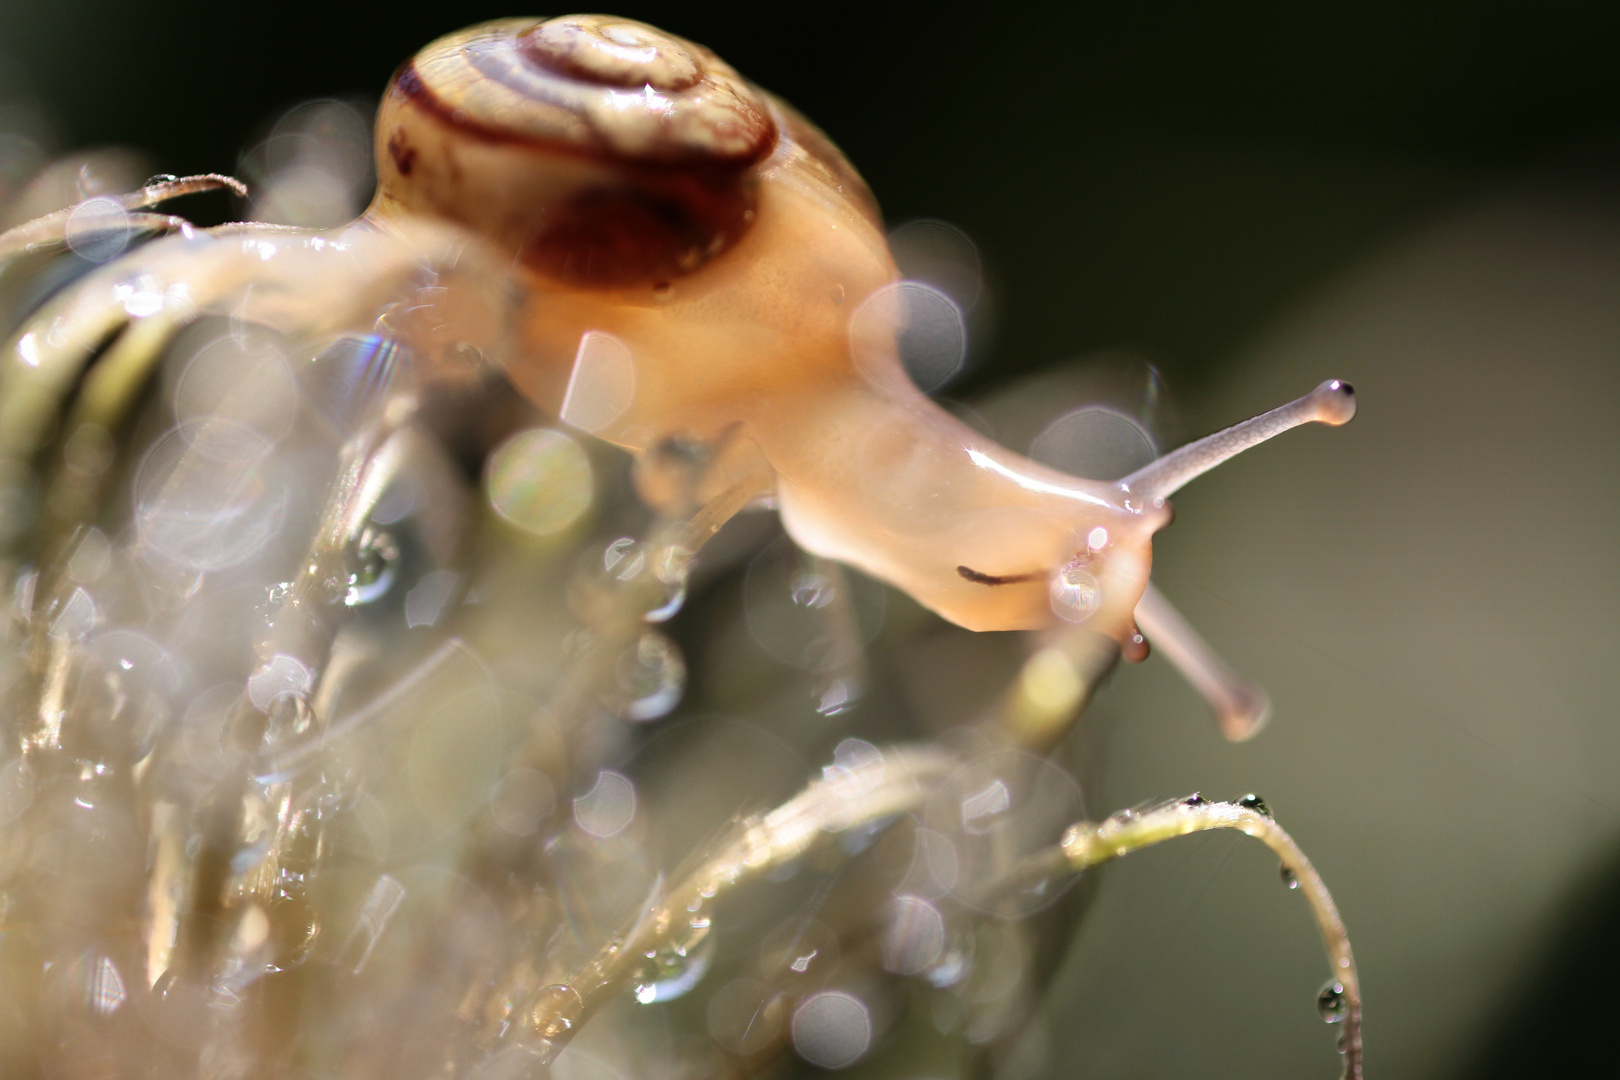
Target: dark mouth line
[(991, 579)]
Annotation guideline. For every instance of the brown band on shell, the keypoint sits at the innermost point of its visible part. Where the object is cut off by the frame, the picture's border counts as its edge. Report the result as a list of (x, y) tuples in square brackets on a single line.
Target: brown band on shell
[(515, 81), (665, 139), (655, 226)]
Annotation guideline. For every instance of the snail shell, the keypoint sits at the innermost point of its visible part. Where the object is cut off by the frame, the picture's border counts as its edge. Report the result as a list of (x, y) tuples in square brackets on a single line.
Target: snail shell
[(600, 151), (691, 217)]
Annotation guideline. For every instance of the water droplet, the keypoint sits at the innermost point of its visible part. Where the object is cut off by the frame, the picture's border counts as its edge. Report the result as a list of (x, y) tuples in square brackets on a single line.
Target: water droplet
[(652, 674), (556, 1011), (980, 807), (675, 970), (290, 715), (376, 562), (837, 695), (672, 566), (813, 590), (795, 613), (956, 963), (130, 683), (1332, 1003), (597, 593), (1136, 647), (832, 1029), (1076, 596), (1196, 799), (282, 676), (1289, 878), (1255, 803)]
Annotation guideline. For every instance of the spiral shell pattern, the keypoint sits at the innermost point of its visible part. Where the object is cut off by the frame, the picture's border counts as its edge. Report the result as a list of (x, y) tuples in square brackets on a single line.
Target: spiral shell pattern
[(597, 85), (621, 154)]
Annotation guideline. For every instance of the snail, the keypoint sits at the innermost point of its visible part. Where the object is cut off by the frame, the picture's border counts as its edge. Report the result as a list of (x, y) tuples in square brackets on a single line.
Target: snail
[(694, 263), (701, 262)]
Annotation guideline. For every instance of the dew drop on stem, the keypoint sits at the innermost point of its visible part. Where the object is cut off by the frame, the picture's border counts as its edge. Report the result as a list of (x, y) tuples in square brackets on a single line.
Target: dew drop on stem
[(1332, 1003), (1255, 803)]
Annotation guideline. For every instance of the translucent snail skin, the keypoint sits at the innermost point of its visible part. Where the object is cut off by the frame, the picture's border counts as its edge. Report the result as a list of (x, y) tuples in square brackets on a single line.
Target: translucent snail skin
[(695, 254)]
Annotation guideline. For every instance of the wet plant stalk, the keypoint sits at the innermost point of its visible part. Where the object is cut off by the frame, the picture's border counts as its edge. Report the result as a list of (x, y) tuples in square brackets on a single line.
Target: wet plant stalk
[(49, 232), (681, 916), (1087, 844)]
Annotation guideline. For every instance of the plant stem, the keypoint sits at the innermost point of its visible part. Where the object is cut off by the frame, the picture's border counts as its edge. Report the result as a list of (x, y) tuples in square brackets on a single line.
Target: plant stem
[(1088, 843), (841, 799)]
